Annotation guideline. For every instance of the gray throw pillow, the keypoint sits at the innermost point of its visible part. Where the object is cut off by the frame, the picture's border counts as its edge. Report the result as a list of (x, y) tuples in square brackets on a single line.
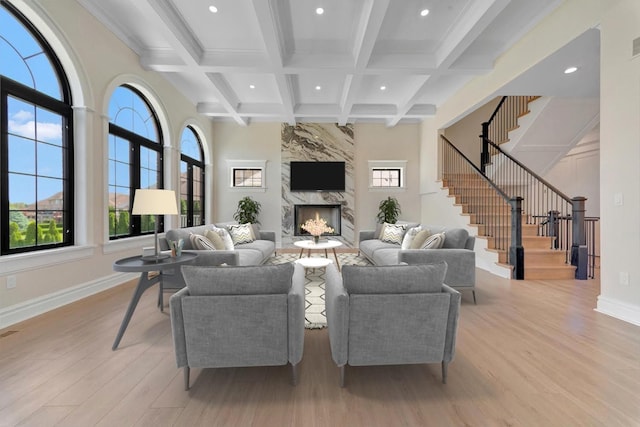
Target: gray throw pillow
[(394, 279), (455, 238)]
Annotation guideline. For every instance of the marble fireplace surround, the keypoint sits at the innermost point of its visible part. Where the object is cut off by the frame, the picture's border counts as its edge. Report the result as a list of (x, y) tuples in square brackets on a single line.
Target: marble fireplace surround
[(318, 142)]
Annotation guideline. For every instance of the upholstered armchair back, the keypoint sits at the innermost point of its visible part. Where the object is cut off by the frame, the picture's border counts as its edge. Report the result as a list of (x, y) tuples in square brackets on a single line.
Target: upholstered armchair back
[(239, 316), (391, 314)]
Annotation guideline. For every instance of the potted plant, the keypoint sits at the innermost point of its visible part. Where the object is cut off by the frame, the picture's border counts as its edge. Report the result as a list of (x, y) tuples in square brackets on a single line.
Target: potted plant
[(248, 210), (388, 210)]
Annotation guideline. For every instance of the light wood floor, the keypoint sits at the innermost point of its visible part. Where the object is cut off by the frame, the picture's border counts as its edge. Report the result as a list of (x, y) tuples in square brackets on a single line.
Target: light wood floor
[(531, 353)]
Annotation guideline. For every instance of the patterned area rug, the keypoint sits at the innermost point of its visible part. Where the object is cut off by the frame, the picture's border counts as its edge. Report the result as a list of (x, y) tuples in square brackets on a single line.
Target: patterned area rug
[(314, 314)]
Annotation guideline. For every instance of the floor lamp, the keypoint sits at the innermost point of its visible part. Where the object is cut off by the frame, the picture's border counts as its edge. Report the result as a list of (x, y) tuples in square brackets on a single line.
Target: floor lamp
[(155, 202)]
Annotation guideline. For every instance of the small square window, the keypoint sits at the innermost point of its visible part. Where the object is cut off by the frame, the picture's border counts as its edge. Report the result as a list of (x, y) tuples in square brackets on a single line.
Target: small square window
[(244, 177), (386, 177)]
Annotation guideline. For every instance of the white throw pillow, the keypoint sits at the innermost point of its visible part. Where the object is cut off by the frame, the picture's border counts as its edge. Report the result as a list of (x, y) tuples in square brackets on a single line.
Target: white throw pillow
[(241, 233), (409, 236), (226, 237), (201, 242), (435, 241), (392, 233)]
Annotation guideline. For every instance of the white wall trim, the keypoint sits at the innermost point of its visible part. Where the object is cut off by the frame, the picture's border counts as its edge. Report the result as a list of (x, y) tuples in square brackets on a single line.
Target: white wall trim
[(34, 307), (618, 309)]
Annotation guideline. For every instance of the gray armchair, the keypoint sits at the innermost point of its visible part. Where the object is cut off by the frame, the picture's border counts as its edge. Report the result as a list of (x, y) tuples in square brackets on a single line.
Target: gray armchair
[(391, 315), (239, 316)]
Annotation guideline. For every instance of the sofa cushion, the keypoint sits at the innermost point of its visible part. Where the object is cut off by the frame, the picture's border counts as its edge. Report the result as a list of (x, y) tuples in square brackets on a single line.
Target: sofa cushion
[(241, 233), (394, 279), (434, 241), (184, 233), (386, 256), (238, 280), (265, 247), (455, 238), (369, 247), (393, 233), (201, 242)]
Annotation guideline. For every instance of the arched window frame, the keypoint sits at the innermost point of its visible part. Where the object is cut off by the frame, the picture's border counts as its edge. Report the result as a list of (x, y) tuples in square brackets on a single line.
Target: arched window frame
[(188, 214), (61, 107), (138, 141)]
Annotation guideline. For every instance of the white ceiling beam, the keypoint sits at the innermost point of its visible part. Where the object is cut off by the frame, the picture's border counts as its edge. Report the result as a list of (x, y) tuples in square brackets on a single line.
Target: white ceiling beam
[(186, 46), (268, 22), (366, 36), (465, 30), (473, 22)]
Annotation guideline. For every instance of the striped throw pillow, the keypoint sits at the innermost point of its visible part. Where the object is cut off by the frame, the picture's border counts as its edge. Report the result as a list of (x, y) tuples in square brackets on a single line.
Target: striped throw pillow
[(241, 233), (201, 242), (392, 233)]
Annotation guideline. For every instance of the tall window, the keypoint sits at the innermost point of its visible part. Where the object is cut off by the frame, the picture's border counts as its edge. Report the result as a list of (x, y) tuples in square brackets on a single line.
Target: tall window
[(135, 161), (36, 141), (191, 179)]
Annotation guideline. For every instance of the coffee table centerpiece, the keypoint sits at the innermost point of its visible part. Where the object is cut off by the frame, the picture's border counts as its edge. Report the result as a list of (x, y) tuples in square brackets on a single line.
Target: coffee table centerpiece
[(316, 227)]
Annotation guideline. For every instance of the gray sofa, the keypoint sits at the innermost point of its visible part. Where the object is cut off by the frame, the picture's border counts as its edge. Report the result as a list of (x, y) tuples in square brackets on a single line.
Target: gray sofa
[(254, 253), (239, 316), (457, 252), (391, 315)]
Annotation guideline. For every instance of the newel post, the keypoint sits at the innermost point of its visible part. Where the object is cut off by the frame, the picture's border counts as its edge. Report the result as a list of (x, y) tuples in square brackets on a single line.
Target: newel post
[(484, 156), (516, 251), (579, 254)]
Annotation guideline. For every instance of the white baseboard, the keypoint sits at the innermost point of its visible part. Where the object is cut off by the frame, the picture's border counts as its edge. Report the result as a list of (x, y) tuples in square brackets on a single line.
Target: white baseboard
[(28, 309), (618, 309)]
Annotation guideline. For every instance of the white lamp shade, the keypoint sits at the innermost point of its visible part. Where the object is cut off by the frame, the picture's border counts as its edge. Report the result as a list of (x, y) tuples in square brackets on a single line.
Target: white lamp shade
[(155, 202)]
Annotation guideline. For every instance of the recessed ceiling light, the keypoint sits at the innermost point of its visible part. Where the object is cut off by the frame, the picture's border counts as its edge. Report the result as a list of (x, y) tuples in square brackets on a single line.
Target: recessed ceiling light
[(571, 70), (424, 12), (318, 87), (213, 9), (319, 11), (252, 86), (383, 88)]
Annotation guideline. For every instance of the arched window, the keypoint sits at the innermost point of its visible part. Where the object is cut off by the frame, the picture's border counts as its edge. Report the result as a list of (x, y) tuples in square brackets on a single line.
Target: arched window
[(135, 160), (36, 140), (191, 179)]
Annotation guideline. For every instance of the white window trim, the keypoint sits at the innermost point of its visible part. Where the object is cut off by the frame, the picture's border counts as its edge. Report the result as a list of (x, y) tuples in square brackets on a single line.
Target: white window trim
[(388, 164), (248, 164)]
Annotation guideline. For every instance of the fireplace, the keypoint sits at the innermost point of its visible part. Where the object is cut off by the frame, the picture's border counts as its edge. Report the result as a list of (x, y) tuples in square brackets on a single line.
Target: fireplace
[(330, 213)]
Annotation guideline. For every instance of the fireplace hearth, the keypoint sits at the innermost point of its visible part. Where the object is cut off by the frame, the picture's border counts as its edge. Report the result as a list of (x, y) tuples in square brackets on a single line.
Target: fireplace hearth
[(330, 213)]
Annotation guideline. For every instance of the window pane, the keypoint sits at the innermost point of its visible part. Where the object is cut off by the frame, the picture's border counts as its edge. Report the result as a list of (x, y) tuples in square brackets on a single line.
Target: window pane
[(22, 155), (129, 111), (22, 190), (189, 144), (21, 118), (24, 59), (48, 126), (49, 160)]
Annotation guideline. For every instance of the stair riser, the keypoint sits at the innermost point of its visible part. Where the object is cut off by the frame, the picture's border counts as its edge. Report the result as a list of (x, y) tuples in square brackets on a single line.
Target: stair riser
[(534, 274), (546, 258)]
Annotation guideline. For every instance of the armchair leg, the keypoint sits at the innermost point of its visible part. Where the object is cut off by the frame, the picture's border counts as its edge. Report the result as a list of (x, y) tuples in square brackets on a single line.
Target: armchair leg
[(474, 297), (342, 375), (294, 374), (444, 372), (186, 378)]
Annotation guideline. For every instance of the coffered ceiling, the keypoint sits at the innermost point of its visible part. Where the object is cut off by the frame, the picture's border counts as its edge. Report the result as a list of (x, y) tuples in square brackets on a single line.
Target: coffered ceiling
[(358, 61)]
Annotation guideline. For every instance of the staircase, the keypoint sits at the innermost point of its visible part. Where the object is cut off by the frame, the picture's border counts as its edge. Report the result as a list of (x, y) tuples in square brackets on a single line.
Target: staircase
[(490, 215), (530, 225)]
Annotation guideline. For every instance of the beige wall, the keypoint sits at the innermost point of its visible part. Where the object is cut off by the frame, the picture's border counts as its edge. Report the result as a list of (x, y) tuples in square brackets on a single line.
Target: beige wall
[(378, 142), (258, 141), (619, 158), (97, 62), (464, 133)]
